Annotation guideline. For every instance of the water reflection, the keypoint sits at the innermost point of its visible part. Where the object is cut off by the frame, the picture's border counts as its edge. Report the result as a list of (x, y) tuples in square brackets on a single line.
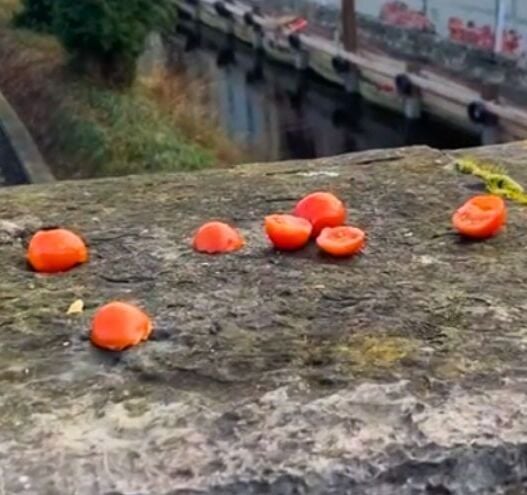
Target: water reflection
[(278, 113)]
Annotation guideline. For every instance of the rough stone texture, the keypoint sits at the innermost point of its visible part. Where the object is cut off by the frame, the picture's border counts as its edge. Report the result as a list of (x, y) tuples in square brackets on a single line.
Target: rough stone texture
[(401, 371)]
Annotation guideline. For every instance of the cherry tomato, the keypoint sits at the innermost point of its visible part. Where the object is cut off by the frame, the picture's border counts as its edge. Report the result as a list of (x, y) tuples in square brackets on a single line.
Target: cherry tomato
[(286, 232), (341, 241), (323, 210), (57, 250), (117, 326), (480, 217), (217, 237)]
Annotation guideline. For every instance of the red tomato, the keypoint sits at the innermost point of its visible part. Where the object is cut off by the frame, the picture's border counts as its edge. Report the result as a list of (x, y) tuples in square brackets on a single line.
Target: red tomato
[(323, 210), (480, 217), (217, 237), (287, 232), (57, 250), (341, 241), (118, 326)]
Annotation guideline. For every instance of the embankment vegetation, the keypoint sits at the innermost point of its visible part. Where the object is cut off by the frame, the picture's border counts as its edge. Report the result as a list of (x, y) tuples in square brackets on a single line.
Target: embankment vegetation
[(80, 99)]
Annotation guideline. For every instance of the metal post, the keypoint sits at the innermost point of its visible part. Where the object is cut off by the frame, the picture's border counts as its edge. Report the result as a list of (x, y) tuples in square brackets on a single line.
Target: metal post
[(349, 25), (501, 14)]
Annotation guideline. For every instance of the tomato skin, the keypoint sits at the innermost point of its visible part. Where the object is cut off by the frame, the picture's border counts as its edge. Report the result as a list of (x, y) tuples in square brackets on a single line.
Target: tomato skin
[(217, 237), (118, 326), (481, 217), (55, 251), (341, 241), (288, 233), (323, 210)]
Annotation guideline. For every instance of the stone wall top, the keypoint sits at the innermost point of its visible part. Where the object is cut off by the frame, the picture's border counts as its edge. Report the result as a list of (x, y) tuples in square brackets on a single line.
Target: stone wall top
[(400, 371)]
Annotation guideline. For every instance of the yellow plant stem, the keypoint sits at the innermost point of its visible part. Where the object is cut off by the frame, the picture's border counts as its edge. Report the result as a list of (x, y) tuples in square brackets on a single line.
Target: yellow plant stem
[(495, 178)]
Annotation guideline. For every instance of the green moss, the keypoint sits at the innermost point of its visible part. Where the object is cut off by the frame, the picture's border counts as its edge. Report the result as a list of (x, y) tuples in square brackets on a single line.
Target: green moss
[(361, 354), (368, 351), (495, 178)]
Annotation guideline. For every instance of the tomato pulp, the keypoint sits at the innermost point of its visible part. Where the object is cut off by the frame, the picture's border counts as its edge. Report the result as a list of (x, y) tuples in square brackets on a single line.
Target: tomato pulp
[(286, 232), (480, 217), (341, 241)]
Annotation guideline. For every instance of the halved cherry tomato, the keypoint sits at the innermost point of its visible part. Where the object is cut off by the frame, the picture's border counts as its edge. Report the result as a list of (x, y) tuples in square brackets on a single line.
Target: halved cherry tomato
[(287, 232), (323, 210), (119, 325), (341, 241), (480, 217), (217, 237), (56, 250)]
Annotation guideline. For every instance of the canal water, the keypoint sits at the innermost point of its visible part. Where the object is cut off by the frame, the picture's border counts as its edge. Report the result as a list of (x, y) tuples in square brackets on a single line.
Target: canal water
[(277, 113)]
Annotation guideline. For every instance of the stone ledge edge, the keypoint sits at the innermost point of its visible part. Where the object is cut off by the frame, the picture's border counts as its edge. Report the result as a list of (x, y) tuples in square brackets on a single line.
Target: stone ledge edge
[(34, 167)]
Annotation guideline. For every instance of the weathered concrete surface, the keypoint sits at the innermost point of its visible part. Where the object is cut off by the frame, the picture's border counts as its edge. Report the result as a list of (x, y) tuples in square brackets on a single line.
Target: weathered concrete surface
[(399, 372)]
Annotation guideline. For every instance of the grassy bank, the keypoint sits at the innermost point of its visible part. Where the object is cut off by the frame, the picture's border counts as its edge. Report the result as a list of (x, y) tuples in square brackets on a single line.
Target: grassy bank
[(84, 130)]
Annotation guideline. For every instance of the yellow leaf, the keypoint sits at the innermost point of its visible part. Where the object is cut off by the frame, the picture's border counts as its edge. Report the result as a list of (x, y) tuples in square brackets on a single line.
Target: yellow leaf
[(76, 307)]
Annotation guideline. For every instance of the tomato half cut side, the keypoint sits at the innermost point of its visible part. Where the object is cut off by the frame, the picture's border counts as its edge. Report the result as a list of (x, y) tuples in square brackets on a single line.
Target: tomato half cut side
[(217, 237), (341, 241), (321, 209), (480, 217), (286, 232)]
